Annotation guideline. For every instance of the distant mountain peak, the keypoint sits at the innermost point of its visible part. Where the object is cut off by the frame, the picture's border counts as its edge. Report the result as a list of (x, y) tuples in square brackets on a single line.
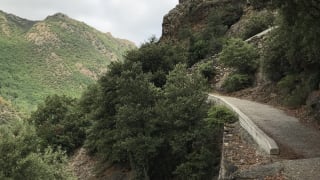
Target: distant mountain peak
[(58, 55), (58, 15), (10, 24)]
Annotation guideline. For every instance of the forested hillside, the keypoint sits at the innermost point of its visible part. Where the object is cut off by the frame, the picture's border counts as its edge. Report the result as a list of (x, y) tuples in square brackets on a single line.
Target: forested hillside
[(58, 55)]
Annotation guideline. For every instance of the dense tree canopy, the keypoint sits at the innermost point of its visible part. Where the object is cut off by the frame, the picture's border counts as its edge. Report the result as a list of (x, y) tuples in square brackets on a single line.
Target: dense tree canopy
[(292, 52), (158, 131), (158, 59), (239, 55), (23, 158), (58, 122)]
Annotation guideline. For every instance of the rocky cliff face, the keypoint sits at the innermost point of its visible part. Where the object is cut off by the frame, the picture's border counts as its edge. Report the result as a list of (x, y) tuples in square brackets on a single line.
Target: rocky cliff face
[(193, 14)]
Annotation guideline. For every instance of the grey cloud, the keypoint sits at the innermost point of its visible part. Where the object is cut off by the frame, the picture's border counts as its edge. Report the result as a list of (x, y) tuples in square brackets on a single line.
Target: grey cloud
[(134, 20)]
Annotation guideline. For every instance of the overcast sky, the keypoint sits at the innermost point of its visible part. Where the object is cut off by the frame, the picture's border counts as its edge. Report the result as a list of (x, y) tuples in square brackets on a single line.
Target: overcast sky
[(135, 20)]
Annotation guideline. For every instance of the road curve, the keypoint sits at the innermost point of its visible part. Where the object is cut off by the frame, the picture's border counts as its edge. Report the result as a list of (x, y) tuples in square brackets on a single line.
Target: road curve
[(282, 128)]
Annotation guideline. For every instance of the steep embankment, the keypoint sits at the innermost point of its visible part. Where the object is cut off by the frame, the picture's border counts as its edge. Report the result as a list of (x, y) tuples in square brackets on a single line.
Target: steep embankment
[(58, 55)]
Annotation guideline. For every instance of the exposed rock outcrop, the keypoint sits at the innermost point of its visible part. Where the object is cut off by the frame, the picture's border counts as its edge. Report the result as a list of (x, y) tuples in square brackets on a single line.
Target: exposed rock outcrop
[(193, 15), (41, 34)]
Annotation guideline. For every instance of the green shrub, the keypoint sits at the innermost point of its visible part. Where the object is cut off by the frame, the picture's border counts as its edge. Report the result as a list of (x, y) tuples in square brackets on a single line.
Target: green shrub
[(220, 115), (236, 82), (274, 61), (59, 123), (297, 97), (197, 165), (229, 13), (288, 83), (295, 88), (293, 46), (257, 23), (207, 69), (21, 156), (157, 59), (210, 40), (198, 50), (215, 31), (239, 55)]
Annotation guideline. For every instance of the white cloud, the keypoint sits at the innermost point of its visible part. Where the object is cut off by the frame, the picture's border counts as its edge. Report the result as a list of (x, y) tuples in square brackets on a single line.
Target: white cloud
[(134, 20)]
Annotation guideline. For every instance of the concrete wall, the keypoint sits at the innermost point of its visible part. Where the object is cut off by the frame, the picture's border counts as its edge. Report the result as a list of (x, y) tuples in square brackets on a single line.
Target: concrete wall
[(262, 139)]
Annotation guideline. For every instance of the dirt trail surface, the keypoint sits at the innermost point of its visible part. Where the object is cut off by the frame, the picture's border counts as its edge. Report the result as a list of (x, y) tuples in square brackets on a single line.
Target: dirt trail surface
[(291, 136)]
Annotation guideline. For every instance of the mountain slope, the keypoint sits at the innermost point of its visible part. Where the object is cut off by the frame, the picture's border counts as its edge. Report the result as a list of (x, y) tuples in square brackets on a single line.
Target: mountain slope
[(58, 55)]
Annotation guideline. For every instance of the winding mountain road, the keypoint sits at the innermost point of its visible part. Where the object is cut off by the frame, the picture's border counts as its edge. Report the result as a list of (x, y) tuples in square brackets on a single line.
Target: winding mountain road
[(287, 132)]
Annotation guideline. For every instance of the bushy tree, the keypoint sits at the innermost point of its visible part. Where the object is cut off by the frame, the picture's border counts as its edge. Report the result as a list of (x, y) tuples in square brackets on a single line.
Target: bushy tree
[(183, 109), (257, 23), (21, 156), (236, 82), (122, 123), (210, 41), (198, 50), (58, 122), (294, 49), (275, 63), (207, 69), (152, 130), (239, 55), (243, 58), (134, 125), (295, 88), (158, 59), (298, 30)]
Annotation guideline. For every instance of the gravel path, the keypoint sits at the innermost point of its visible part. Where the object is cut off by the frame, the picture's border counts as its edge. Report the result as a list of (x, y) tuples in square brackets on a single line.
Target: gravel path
[(291, 136)]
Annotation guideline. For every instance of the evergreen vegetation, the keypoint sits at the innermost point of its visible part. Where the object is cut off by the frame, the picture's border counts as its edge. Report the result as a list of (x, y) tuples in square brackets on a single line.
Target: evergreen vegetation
[(159, 129), (207, 69), (239, 55), (59, 123), (243, 58), (293, 50), (220, 115), (21, 157), (236, 82), (210, 40), (161, 132), (257, 23), (157, 59)]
